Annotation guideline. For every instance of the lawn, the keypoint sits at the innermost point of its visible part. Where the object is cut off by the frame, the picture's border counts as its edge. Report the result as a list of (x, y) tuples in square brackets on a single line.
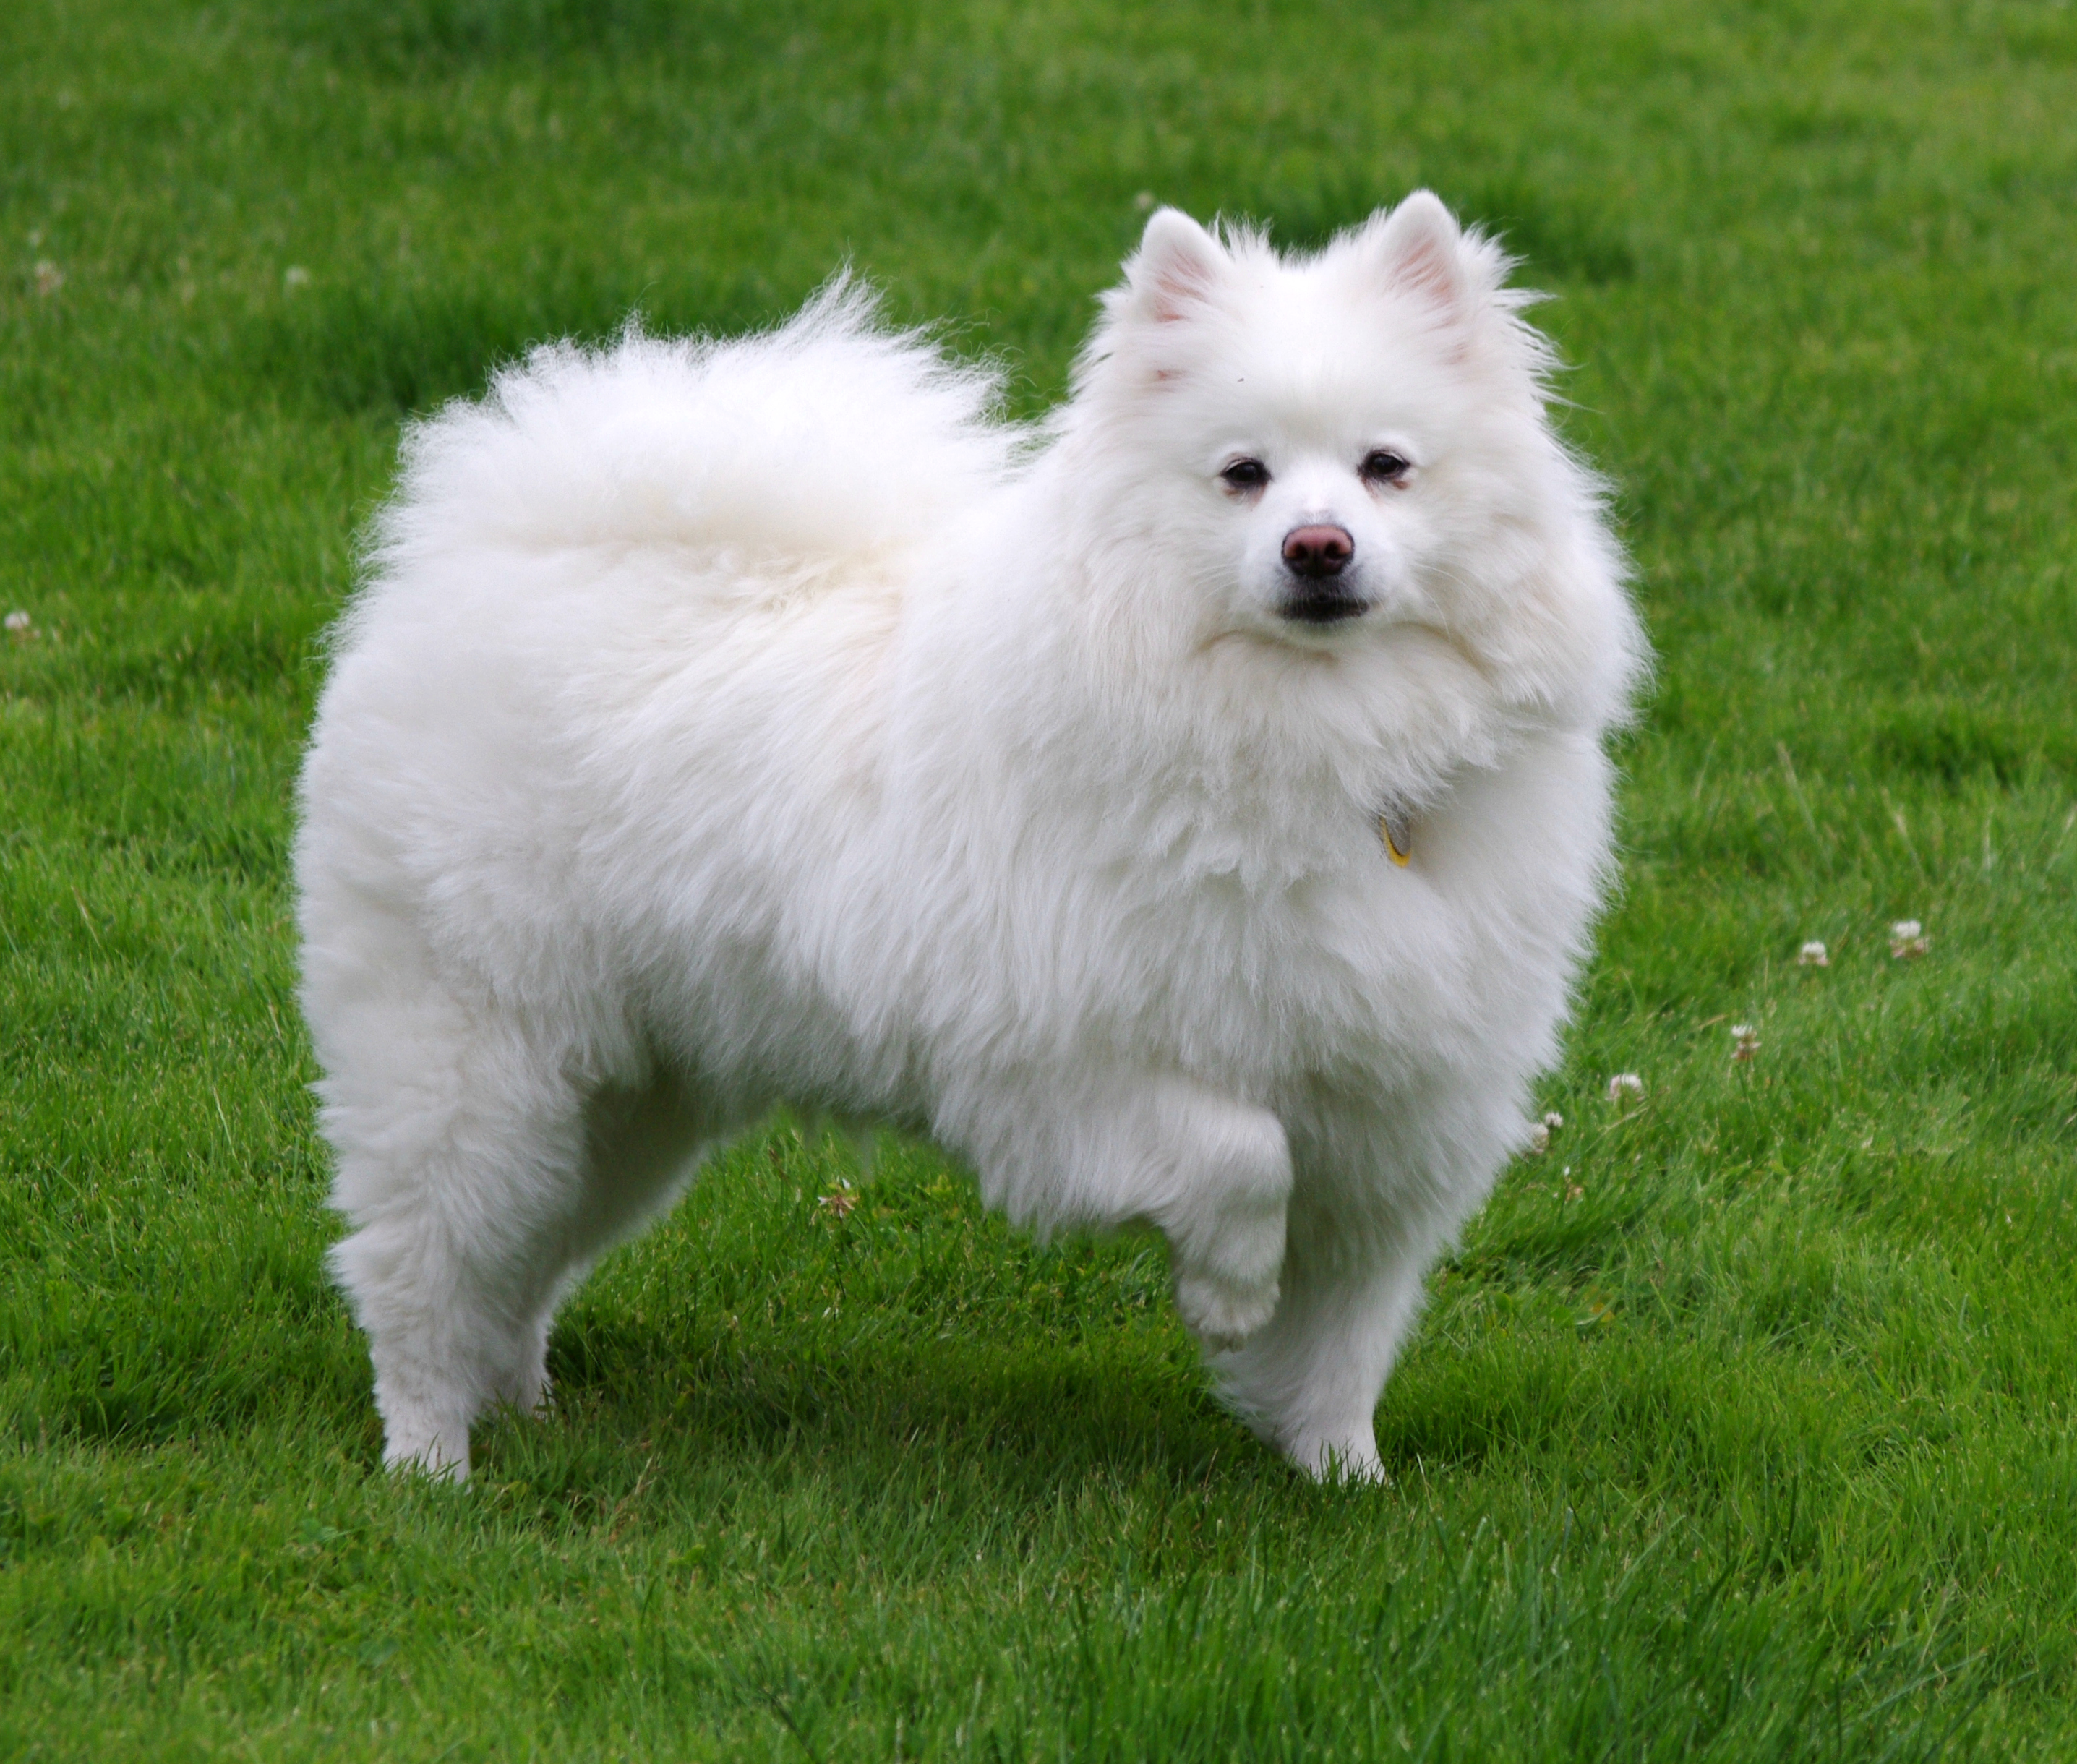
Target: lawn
[(1740, 1426)]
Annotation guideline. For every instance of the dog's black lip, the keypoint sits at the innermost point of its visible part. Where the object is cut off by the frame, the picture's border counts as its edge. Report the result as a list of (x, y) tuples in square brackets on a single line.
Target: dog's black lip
[(1323, 609)]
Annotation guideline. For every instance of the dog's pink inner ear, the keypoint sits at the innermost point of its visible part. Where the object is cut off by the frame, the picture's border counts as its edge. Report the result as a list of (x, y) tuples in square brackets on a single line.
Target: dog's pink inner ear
[(1179, 265), (1419, 248)]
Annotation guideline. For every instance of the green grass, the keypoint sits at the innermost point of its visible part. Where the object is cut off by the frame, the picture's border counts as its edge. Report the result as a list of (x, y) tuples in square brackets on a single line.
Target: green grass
[(1739, 1428)]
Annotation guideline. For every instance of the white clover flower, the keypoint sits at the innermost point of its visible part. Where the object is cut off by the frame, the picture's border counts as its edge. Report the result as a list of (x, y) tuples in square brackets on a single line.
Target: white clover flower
[(1623, 1084), (1744, 1041), (20, 622), (1553, 1121), (1539, 1140), (839, 1205), (49, 277), (295, 277), (1813, 955), (1907, 940)]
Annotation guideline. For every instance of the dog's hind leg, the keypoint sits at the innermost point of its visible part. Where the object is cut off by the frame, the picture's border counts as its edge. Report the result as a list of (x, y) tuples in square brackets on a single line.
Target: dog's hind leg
[(642, 1143), (462, 1164)]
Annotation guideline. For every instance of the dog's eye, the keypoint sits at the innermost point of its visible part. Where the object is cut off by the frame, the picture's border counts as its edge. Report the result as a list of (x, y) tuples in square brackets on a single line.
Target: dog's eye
[(1381, 465), (1246, 475)]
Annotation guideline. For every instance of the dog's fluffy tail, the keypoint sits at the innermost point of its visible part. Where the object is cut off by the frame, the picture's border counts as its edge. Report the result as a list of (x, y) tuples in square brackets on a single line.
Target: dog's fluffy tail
[(831, 438)]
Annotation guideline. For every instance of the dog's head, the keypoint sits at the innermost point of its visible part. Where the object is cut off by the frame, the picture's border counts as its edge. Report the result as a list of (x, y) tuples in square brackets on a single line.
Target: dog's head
[(1348, 451)]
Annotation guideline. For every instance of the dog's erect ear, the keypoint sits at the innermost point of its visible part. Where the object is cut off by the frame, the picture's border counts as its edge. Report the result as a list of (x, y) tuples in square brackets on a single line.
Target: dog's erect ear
[(1177, 268), (1419, 247)]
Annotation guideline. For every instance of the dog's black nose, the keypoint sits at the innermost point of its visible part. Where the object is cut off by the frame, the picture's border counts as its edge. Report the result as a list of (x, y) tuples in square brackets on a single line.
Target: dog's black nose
[(1318, 550)]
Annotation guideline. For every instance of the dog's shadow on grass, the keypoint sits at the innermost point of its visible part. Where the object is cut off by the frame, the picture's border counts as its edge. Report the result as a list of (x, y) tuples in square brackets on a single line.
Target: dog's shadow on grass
[(1023, 1419), (1025, 1416), (758, 1331)]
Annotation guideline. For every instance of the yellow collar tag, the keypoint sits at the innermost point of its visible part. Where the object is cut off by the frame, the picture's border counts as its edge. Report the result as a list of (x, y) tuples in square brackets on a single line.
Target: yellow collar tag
[(1397, 830)]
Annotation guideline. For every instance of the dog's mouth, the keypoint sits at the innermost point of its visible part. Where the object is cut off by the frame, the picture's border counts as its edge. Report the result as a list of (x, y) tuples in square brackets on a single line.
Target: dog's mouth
[(1322, 603)]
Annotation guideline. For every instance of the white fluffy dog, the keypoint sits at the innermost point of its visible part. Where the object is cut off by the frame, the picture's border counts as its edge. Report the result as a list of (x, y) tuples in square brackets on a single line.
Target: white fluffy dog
[(1192, 814)]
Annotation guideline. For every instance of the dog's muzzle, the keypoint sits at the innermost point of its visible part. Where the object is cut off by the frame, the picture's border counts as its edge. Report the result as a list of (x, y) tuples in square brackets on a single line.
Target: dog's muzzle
[(1314, 559)]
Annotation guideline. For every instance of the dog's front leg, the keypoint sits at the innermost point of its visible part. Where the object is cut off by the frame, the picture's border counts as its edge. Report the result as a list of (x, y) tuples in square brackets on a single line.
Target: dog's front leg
[(1309, 1382), (1224, 1179), (1211, 1173)]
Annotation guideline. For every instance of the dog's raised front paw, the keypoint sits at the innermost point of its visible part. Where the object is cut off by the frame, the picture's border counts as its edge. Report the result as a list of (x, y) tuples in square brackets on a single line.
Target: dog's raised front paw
[(1222, 1315)]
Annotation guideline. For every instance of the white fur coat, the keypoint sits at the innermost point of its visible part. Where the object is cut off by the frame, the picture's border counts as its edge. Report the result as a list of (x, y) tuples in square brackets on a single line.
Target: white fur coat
[(723, 723)]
